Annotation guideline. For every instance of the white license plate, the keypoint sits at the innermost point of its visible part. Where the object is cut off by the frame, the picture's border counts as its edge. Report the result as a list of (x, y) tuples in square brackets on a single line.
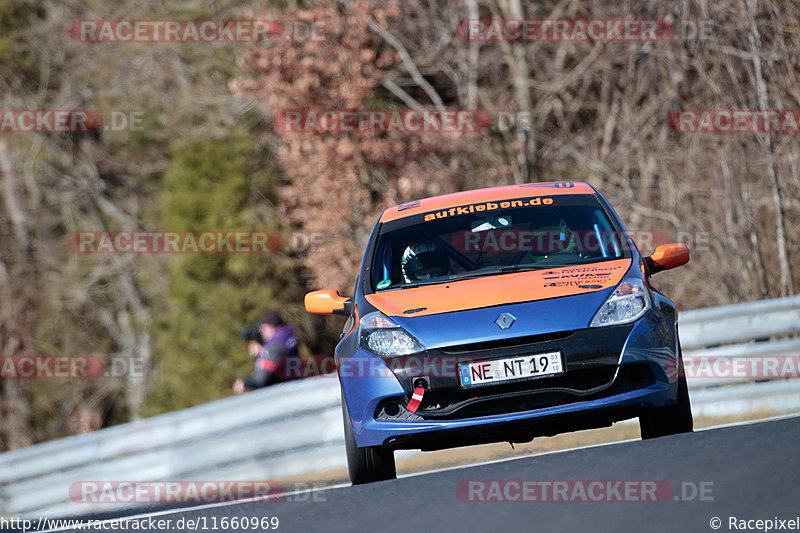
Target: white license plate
[(510, 369)]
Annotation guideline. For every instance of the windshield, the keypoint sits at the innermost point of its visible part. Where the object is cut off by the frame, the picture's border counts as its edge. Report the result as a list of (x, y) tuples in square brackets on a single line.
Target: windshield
[(494, 237)]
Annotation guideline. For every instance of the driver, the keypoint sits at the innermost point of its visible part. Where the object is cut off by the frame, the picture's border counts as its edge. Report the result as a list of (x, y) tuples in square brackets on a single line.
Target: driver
[(423, 261), (554, 238)]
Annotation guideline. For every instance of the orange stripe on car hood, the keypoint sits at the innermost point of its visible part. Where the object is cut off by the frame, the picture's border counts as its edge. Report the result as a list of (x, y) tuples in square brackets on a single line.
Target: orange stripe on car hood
[(500, 289)]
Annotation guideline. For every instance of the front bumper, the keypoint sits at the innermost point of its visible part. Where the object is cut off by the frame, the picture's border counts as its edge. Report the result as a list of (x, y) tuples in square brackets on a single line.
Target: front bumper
[(612, 374)]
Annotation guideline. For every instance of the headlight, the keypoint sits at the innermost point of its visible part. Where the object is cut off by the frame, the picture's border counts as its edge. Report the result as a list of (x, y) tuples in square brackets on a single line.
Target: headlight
[(381, 335), (627, 303)]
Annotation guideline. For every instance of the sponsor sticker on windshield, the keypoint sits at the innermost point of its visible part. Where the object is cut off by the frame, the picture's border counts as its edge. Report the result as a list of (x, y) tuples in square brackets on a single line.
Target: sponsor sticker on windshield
[(487, 206)]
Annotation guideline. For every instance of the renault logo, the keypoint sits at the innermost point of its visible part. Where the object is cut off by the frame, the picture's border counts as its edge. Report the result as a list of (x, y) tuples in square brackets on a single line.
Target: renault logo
[(505, 320)]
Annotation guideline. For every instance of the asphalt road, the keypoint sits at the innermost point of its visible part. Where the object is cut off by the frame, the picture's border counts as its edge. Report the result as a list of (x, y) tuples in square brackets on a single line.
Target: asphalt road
[(749, 472)]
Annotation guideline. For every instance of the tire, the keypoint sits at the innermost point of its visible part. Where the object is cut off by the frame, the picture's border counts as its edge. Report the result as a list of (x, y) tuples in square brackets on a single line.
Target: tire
[(368, 464), (672, 419)]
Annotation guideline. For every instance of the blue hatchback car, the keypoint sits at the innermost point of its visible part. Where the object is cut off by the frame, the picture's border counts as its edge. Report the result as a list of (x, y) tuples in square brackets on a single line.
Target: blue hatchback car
[(503, 314)]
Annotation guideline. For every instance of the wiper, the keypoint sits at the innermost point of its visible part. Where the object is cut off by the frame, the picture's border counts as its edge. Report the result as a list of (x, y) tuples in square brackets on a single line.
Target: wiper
[(499, 270), (522, 268), (416, 284), (479, 274), (579, 263)]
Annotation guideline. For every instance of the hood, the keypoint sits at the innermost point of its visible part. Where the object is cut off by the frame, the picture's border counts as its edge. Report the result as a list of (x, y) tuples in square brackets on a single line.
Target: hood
[(546, 301), (500, 289), (569, 313)]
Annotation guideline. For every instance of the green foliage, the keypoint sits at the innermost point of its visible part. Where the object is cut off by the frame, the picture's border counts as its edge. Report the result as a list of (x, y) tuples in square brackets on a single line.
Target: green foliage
[(214, 185), (18, 56)]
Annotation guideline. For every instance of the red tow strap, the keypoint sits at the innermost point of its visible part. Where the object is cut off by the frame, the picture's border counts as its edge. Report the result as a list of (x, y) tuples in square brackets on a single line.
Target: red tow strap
[(413, 405)]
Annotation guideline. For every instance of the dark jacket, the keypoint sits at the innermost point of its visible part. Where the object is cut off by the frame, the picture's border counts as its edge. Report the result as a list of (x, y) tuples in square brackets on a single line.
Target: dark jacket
[(272, 358)]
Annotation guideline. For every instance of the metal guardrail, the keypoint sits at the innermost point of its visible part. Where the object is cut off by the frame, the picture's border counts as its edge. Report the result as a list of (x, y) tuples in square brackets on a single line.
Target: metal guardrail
[(295, 429), (741, 331), (288, 429), (701, 328), (717, 333)]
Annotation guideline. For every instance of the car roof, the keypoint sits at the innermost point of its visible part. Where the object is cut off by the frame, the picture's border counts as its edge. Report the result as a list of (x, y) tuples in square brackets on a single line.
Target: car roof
[(508, 192)]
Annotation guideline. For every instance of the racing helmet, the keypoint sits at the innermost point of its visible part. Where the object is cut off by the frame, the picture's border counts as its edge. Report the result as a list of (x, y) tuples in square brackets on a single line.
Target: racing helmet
[(422, 261), (553, 237)]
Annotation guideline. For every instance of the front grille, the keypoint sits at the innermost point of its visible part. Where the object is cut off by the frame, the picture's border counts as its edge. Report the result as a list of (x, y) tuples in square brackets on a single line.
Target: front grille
[(582, 350), (578, 385), (505, 343), (578, 382)]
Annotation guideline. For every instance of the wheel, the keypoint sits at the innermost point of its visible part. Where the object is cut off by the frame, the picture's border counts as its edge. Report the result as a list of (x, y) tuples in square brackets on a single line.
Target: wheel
[(368, 464), (672, 419)]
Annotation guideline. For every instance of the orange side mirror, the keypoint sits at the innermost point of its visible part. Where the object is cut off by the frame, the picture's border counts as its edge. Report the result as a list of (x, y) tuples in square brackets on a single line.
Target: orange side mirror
[(327, 302), (667, 256)]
